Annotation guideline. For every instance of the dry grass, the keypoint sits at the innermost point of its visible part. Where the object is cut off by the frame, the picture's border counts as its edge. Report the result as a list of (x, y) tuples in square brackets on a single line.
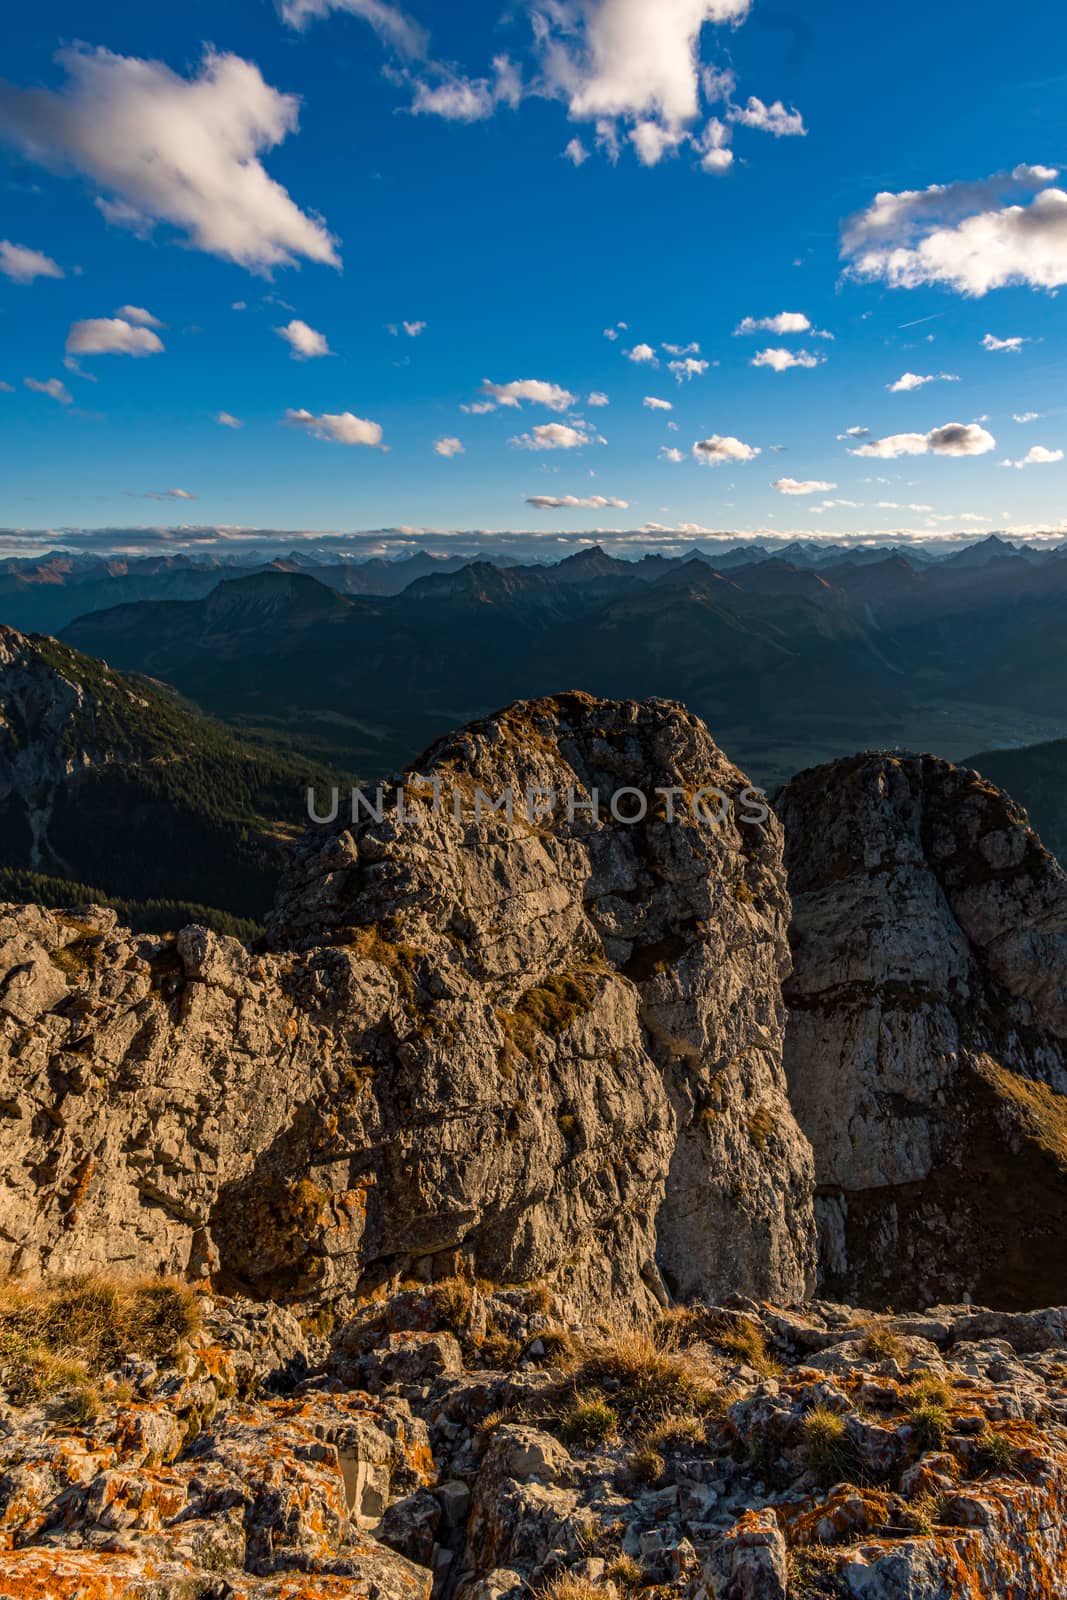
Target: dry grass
[(625, 1571), (932, 1425), (882, 1344), (452, 1299), (742, 1339), (827, 1447), (589, 1423), (649, 1383), (929, 1391), (566, 1587), (58, 1336)]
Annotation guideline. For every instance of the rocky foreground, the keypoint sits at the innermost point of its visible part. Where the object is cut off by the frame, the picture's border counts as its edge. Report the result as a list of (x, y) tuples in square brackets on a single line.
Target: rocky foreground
[(481, 1446), (505, 1172)]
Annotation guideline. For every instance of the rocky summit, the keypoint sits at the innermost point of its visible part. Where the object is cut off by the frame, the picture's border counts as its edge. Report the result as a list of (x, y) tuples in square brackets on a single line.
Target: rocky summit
[(463, 1237)]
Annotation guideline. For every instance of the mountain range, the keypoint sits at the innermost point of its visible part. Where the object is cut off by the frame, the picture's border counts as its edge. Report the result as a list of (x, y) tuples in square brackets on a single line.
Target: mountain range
[(792, 660)]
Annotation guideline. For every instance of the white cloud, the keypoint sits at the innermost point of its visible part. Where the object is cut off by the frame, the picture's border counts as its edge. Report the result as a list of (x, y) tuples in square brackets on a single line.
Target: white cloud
[(714, 147), (691, 349), (721, 448), (342, 428), (991, 342), (655, 404), (642, 354), (781, 360), (6, 388), (784, 322), (804, 486), (163, 148), (413, 329), (99, 336), (598, 399), (953, 439), (139, 315), (613, 333), (769, 119), (55, 387), (555, 436), (964, 235), (304, 343), (653, 141), (388, 21), (448, 447), (533, 390), (592, 502), (169, 494), (21, 264), (1036, 456), (669, 453), (685, 371), (576, 153), (1025, 416), (913, 380), (612, 60), (226, 419), (479, 408), (855, 433)]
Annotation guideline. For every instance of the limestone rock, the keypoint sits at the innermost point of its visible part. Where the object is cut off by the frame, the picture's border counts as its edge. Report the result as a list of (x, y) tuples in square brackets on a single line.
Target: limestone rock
[(927, 1041), (544, 1049)]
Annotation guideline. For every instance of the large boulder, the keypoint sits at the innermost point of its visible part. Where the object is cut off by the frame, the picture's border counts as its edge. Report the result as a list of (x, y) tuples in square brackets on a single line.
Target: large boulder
[(544, 1046)]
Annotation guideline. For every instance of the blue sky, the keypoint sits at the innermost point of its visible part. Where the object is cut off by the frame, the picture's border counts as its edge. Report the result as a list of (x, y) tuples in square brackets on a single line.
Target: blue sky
[(154, 160)]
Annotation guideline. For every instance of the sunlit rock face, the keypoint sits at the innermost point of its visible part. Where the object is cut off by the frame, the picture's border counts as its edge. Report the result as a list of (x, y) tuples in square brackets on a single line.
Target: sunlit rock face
[(544, 1046)]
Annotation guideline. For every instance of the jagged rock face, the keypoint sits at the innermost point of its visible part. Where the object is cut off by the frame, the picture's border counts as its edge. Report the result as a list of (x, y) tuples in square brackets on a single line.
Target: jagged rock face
[(527, 1050), (927, 1040)]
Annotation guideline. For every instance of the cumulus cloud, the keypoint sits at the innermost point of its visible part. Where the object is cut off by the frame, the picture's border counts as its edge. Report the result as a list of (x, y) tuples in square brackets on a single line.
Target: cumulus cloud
[(555, 436), (965, 235), (598, 399), (712, 452), (669, 453), (953, 439), (163, 148), (855, 433), (713, 146), (1036, 456), (1025, 416), (114, 336), (991, 342), (781, 360), (304, 343), (226, 419), (614, 60), (22, 265), (769, 119), (479, 408), (784, 322), (913, 380), (655, 404), (55, 387), (576, 153), (688, 369), (592, 502), (6, 388), (338, 428), (138, 314), (804, 486), (449, 446), (533, 390), (691, 349), (642, 354)]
